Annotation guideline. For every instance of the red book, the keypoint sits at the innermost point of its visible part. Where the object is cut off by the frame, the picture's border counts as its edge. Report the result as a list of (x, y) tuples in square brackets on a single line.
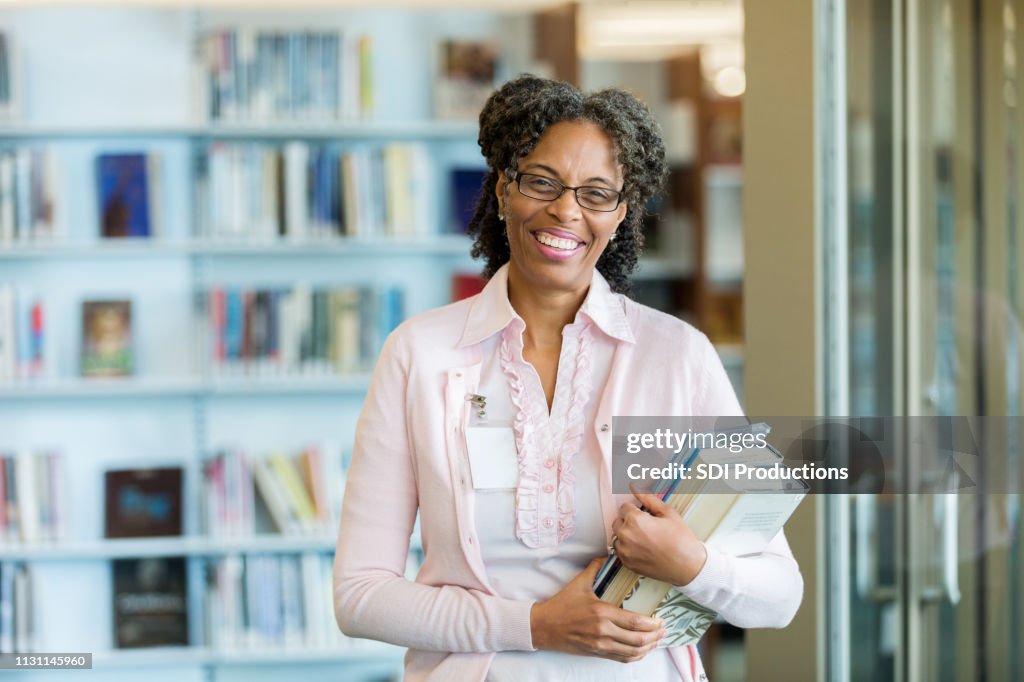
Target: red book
[(217, 323), (465, 285)]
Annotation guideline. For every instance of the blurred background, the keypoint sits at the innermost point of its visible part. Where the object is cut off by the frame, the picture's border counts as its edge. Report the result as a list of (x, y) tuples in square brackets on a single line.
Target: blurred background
[(212, 215)]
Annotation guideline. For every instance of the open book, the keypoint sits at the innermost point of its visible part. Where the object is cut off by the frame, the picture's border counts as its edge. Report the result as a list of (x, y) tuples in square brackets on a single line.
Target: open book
[(737, 517)]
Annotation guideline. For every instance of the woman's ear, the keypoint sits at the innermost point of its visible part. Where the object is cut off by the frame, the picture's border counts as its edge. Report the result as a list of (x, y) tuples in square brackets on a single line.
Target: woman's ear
[(621, 213)]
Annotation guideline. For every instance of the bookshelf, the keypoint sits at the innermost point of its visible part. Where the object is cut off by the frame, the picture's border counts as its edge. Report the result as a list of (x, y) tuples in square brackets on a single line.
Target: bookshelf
[(94, 91)]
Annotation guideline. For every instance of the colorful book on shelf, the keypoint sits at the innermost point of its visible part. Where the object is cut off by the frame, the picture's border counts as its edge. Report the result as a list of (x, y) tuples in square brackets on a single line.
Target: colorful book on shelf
[(107, 346), (466, 186), (127, 194), (738, 518), (150, 602), (465, 78), (17, 627), (270, 600), (300, 331), (22, 332), (31, 497), (143, 502), (466, 284), (27, 195), (261, 76)]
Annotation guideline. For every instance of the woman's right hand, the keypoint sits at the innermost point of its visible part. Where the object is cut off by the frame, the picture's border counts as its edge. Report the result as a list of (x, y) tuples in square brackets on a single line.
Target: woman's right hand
[(575, 621)]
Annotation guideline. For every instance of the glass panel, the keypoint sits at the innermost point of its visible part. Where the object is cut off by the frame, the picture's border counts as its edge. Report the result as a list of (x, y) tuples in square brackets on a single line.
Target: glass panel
[(870, 524), (935, 307)]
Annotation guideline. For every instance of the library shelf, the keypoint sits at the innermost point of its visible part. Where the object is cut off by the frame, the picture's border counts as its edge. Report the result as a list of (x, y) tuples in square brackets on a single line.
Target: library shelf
[(209, 656), (430, 245), (168, 546), (428, 129), (185, 387)]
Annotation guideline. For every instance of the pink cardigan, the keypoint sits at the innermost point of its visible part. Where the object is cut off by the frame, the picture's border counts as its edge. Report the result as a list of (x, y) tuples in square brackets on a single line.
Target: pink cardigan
[(409, 455)]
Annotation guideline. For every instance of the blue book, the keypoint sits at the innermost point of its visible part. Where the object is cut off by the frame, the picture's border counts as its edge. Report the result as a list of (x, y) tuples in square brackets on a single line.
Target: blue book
[(466, 184), (124, 195)]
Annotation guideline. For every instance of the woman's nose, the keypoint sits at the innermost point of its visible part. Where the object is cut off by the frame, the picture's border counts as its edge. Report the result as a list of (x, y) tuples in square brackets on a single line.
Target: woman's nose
[(565, 207)]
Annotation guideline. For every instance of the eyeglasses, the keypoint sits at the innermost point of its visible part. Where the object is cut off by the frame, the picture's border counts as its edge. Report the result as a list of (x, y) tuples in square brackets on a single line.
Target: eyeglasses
[(588, 196)]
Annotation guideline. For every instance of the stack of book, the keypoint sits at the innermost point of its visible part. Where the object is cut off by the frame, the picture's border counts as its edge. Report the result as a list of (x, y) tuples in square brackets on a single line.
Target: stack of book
[(22, 334), (261, 76), (33, 503), (260, 192), (270, 600), (16, 623), (28, 185), (301, 331), (301, 494), (732, 516)]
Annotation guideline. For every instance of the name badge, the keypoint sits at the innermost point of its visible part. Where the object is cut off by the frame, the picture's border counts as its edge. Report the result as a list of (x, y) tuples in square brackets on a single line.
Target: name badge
[(492, 457)]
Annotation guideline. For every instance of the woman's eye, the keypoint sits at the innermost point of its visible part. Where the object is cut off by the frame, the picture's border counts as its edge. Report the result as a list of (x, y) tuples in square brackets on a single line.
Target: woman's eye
[(541, 183), (597, 194)]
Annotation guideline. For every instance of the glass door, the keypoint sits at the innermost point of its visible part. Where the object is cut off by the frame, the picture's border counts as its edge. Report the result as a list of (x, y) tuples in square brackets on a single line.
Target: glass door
[(930, 585)]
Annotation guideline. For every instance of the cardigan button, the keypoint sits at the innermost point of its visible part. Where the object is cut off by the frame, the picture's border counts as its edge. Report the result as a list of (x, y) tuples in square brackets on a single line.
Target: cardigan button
[(549, 522), (549, 488), (550, 463)]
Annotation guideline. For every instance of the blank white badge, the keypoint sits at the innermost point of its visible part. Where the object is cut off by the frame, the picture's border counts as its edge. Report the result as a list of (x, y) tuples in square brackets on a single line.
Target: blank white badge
[(492, 457)]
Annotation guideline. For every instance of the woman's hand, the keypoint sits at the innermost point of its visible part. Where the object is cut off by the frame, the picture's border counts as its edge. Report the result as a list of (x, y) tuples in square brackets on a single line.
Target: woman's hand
[(575, 621), (657, 543)]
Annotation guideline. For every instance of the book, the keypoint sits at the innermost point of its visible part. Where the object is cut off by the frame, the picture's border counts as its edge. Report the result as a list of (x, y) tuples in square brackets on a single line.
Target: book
[(264, 76), (126, 194), (107, 348), (150, 602), (143, 502), (738, 519), (466, 187), (465, 285), (465, 78)]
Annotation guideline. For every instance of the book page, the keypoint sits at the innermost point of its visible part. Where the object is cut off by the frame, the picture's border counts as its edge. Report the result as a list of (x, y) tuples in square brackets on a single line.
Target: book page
[(752, 522)]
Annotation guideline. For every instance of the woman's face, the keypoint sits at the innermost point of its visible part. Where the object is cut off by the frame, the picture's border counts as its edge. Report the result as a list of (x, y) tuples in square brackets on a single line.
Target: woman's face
[(573, 153)]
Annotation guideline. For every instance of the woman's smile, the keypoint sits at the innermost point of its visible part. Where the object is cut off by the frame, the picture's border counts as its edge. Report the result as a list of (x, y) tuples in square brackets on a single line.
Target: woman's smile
[(557, 244)]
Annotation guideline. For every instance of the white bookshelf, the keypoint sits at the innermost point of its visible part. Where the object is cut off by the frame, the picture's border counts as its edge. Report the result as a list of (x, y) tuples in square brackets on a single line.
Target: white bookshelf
[(348, 130), (101, 96), (105, 98)]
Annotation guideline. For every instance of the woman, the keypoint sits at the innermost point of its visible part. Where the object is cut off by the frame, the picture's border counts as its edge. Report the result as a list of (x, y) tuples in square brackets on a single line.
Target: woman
[(490, 417)]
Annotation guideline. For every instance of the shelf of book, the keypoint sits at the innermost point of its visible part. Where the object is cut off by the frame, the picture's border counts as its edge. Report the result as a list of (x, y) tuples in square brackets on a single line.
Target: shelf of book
[(183, 387), (169, 546), (369, 652), (353, 130), (438, 245)]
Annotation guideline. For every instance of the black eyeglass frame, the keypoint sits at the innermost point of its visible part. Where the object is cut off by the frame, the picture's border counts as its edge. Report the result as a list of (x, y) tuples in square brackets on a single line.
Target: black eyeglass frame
[(518, 177)]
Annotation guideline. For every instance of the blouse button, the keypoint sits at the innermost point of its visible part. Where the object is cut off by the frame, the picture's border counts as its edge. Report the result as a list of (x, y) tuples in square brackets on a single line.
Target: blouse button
[(549, 463), (549, 488), (471, 539), (548, 522), (604, 427)]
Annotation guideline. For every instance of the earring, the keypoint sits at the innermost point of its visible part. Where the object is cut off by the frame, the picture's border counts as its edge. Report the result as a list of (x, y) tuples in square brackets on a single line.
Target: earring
[(614, 235), (501, 217)]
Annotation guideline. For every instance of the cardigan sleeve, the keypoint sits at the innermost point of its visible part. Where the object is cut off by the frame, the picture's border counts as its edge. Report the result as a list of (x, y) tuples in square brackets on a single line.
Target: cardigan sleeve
[(372, 598), (762, 590)]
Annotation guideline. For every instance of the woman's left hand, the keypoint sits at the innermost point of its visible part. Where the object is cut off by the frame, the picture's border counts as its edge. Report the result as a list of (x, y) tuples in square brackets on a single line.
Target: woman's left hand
[(657, 543)]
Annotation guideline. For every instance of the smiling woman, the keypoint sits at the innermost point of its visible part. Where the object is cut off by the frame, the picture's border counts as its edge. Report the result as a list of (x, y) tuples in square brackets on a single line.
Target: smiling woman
[(490, 418)]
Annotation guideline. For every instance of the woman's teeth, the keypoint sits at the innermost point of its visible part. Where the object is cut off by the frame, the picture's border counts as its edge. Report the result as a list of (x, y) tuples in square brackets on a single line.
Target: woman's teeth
[(556, 242)]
